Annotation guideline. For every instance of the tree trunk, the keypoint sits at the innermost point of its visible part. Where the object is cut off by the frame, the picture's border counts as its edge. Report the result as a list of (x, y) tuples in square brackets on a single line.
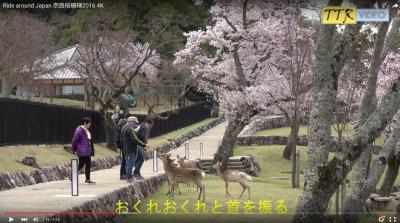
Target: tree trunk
[(314, 201), (292, 141), (391, 174), (354, 203), (5, 88), (330, 58), (376, 172), (109, 129), (225, 149)]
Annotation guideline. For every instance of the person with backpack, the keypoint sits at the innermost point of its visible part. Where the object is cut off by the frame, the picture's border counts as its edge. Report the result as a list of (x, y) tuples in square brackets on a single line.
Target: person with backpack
[(82, 146), (121, 123)]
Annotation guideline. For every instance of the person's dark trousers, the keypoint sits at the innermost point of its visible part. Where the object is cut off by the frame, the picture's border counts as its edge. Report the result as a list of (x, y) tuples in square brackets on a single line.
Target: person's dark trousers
[(122, 171), (85, 161), (139, 162), (130, 163)]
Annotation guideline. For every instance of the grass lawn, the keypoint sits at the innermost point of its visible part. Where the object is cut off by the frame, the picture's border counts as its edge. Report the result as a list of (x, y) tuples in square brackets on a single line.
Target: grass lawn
[(303, 131), (48, 155), (265, 187)]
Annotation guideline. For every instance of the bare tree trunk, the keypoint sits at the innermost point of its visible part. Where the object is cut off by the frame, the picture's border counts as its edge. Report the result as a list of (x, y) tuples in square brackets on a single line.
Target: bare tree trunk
[(354, 203), (109, 129), (292, 141), (315, 198), (330, 59), (225, 150), (392, 173), (5, 88), (376, 172)]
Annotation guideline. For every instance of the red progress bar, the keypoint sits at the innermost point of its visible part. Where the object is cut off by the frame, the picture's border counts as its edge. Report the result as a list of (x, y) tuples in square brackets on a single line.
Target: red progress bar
[(58, 213)]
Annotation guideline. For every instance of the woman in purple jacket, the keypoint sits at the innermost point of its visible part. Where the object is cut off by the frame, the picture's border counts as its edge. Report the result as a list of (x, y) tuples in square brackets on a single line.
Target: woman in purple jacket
[(81, 146)]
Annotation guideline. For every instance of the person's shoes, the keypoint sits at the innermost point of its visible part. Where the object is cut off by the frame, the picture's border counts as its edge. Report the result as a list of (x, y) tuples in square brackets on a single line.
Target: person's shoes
[(122, 177), (89, 182), (130, 180), (139, 177)]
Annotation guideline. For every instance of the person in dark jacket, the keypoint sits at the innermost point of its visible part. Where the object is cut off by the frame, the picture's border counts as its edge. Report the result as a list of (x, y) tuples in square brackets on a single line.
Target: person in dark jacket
[(81, 146), (142, 156), (129, 143), (121, 123)]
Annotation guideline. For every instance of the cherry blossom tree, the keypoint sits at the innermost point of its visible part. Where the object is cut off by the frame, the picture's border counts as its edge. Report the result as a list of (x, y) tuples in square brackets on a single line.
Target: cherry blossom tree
[(24, 39), (236, 60), (110, 61), (296, 64)]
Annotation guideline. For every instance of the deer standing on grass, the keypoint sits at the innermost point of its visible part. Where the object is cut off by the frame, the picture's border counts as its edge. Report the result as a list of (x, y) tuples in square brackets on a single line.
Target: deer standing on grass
[(183, 175), (233, 176), (184, 163), (167, 172)]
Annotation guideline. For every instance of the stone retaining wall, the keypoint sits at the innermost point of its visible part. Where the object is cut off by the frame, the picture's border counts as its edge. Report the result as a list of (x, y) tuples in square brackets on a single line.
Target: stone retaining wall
[(282, 140), (269, 140), (261, 123), (107, 203), (10, 180), (176, 142)]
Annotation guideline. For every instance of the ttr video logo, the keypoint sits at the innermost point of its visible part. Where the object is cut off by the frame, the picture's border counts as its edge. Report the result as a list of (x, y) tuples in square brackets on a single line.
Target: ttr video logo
[(352, 15)]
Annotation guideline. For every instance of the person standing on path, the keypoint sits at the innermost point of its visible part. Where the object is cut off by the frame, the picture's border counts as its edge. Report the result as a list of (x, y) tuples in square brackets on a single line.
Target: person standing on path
[(82, 146), (118, 136), (130, 142), (142, 154)]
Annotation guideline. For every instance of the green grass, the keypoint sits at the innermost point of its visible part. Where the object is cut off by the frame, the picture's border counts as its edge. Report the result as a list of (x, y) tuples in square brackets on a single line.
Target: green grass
[(303, 131), (264, 187), (48, 155), (45, 156)]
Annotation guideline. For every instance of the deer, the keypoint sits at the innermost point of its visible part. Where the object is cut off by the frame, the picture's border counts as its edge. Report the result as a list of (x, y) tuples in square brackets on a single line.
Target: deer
[(166, 170), (184, 163), (183, 175), (233, 176)]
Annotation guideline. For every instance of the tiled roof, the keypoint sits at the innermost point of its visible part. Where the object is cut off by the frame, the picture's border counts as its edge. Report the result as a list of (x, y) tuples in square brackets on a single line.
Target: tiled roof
[(58, 66)]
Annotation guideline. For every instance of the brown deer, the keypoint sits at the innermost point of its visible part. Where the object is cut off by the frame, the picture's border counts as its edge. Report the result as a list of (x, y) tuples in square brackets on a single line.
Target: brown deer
[(167, 172), (184, 163), (183, 175), (233, 176)]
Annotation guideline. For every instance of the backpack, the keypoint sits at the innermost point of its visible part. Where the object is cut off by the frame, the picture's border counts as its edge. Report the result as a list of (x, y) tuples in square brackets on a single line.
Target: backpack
[(118, 133)]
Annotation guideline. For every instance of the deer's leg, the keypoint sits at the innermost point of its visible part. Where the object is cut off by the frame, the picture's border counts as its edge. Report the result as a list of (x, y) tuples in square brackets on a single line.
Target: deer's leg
[(244, 189), (172, 191), (226, 189), (169, 187), (203, 188), (179, 191), (248, 188)]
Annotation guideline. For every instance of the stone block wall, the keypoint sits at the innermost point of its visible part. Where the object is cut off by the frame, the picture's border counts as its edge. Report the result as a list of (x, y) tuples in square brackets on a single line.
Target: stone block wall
[(261, 123)]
